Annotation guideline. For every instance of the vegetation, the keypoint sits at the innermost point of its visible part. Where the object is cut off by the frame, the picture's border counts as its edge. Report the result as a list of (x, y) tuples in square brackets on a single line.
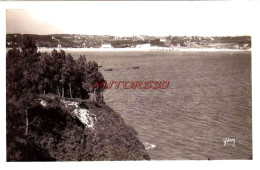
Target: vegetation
[(95, 41), (31, 74), (68, 139)]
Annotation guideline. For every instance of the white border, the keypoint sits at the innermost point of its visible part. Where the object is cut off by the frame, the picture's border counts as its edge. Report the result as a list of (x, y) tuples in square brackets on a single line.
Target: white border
[(251, 10)]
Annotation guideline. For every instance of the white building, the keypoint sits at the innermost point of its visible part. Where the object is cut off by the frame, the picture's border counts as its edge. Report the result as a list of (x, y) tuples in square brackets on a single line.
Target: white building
[(106, 45), (143, 46), (162, 39), (246, 45)]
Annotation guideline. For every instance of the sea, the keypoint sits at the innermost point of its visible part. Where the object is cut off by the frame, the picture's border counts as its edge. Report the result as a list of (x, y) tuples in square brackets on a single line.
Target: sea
[(204, 114)]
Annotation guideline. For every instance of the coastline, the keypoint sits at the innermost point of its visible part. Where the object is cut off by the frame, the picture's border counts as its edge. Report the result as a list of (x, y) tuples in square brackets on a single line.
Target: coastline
[(44, 49), (48, 49), (86, 131)]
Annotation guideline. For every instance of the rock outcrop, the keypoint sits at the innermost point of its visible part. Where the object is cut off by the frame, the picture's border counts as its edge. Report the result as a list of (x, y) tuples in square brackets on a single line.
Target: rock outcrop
[(74, 129)]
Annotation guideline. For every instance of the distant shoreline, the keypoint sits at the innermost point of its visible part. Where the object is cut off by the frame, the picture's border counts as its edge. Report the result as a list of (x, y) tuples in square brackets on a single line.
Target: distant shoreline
[(43, 49), (47, 49)]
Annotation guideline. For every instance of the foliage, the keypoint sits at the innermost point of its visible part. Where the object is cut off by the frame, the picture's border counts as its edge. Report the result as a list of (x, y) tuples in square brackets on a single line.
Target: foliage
[(69, 139), (30, 73), (33, 132)]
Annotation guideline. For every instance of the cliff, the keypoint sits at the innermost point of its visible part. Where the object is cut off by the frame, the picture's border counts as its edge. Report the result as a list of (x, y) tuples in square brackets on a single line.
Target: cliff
[(73, 129)]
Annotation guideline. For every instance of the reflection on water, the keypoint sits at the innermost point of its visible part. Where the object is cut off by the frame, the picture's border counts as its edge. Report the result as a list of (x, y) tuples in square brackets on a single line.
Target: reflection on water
[(208, 100)]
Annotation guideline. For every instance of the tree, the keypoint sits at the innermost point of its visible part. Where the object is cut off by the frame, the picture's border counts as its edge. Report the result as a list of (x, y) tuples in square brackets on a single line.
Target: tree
[(45, 77), (30, 73), (67, 72), (81, 65), (58, 61), (22, 76), (91, 76)]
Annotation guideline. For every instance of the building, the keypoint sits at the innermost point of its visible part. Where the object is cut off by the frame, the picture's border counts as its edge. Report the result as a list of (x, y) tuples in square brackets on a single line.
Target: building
[(59, 46), (106, 45), (162, 39), (143, 46), (246, 45)]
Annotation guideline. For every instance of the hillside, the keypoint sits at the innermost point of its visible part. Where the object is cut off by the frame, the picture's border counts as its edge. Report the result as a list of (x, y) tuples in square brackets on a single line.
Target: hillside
[(74, 129), (104, 41)]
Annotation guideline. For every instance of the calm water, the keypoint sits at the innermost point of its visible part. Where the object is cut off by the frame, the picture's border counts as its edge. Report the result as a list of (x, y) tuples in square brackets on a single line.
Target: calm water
[(208, 100)]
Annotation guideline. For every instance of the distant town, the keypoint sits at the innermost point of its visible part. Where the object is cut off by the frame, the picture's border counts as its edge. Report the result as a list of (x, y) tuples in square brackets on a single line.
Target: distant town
[(139, 41)]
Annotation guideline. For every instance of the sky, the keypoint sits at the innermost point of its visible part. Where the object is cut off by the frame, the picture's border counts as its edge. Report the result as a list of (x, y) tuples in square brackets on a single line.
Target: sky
[(127, 19)]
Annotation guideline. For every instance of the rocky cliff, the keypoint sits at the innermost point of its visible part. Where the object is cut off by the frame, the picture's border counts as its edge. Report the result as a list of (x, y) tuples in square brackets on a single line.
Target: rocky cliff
[(80, 130)]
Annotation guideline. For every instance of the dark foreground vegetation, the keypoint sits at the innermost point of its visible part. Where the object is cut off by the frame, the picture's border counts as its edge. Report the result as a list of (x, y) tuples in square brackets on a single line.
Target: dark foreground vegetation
[(32, 72), (38, 133), (55, 134)]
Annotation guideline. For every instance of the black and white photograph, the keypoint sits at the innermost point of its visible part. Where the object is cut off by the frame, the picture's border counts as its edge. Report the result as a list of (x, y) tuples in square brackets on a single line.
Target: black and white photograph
[(125, 81)]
